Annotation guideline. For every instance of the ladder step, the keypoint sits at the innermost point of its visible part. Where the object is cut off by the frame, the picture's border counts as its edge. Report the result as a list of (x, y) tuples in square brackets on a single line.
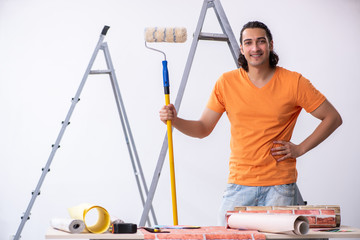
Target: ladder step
[(100, 71), (213, 37)]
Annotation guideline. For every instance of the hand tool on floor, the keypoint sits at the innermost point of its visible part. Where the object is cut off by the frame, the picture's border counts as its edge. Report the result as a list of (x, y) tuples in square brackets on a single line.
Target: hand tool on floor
[(170, 35)]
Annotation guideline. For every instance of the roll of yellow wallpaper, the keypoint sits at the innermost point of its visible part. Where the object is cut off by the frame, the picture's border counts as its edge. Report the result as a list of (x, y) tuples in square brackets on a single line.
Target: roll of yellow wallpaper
[(103, 221)]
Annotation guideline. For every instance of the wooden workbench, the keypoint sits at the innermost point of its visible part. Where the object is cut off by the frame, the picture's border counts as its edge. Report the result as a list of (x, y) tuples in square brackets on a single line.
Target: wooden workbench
[(205, 233), (57, 234), (314, 234)]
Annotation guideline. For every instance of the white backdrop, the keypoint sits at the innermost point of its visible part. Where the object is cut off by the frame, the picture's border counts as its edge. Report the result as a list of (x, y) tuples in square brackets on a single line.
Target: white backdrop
[(45, 49)]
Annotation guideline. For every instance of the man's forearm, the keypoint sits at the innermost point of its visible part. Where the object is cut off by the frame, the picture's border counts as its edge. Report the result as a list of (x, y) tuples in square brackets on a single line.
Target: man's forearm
[(327, 126), (191, 128)]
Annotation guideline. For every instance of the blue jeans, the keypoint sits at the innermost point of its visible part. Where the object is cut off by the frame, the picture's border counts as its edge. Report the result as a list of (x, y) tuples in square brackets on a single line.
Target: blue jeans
[(239, 195)]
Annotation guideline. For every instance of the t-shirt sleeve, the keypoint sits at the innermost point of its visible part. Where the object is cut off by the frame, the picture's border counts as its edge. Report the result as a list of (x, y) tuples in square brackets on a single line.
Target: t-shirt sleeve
[(216, 101), (308, 96)]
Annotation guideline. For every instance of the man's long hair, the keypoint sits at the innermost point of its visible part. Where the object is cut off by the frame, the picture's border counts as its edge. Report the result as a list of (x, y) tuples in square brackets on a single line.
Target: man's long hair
[(273, 58)]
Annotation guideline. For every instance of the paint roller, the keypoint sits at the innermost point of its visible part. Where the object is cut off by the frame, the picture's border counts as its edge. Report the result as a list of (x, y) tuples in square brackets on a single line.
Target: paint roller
[(169, 35)]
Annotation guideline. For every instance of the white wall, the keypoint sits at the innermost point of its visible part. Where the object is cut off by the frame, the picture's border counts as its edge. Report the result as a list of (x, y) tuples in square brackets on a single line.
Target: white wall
[(45, 49)]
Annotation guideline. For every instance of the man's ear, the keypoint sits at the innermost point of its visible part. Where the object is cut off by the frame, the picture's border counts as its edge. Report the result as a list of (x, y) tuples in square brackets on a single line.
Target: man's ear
[(241, 49), (271, 45)]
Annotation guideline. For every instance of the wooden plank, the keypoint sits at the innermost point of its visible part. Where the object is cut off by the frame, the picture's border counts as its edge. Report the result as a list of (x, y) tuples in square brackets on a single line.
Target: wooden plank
[(315, 234), (57, 234)]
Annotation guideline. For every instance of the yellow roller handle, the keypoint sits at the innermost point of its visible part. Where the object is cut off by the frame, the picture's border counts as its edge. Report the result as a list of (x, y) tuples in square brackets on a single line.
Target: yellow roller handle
[(172, 168)]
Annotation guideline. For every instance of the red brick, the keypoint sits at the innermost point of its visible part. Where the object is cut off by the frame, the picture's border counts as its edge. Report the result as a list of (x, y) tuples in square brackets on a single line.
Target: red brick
[(254, 211), (228, 236), (329, 221), (322, 226), (307, 212), (334, 207), (211, 233), (328, 212), (259, 236), (281, 211), (179, 236), (147, 235), (211, 228)]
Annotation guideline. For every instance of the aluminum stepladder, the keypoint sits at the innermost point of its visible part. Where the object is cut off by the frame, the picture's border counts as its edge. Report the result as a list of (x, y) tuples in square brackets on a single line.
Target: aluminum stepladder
[(142, 187), (227, 36)]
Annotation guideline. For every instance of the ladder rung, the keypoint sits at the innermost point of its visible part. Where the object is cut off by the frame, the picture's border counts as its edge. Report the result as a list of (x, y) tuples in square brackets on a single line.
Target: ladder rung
[(100, 71), (213, 36)]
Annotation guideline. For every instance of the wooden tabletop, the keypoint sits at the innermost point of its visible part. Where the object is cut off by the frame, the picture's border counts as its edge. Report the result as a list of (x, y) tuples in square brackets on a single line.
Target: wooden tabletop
[(314, 233), (57, 234), (346, 232)]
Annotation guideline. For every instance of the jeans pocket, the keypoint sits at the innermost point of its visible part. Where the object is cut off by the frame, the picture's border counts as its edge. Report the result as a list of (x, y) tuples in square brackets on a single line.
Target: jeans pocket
[(287, 190), (231, 190)]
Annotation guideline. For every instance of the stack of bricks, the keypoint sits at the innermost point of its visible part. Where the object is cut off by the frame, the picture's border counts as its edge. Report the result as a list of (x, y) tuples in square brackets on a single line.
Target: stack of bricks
[(204, 233), (324, 216)]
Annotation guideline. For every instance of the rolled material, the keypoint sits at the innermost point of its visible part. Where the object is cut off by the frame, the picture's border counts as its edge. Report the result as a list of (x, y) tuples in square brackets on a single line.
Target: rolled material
[(273, 223), (168, 34), (68, 225), (103, 222)]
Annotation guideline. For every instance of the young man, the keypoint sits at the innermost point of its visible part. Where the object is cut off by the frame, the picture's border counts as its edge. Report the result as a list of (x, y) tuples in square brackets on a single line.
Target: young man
[(262, 102)]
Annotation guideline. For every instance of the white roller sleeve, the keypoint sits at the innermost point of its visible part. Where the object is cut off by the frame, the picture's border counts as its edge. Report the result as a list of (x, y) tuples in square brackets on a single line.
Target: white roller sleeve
[(165, 34)]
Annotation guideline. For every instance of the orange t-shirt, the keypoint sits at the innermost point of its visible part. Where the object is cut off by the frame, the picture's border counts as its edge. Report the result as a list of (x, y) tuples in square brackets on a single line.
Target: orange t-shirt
[(258, 116)]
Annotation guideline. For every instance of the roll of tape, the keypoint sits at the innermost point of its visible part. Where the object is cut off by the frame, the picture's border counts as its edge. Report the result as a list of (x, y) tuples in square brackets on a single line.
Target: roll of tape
[(103, 222), (124, 228)]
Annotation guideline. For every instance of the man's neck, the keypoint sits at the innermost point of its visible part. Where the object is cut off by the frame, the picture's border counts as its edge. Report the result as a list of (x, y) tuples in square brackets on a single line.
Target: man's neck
[(260, 76)]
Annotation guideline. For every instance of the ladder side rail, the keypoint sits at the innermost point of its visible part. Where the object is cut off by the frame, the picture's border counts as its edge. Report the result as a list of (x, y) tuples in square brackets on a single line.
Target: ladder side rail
[(179, 97), (132, 141), (154, 182), (55, 146), (190, 58), (127, 131), (225, 26), (116, 94)]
